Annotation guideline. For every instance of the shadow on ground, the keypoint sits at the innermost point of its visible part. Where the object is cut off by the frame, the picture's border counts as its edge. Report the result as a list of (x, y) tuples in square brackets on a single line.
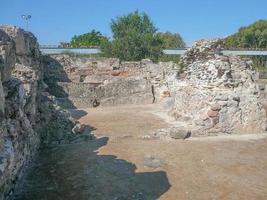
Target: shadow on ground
[(77, 113), (76, 171)]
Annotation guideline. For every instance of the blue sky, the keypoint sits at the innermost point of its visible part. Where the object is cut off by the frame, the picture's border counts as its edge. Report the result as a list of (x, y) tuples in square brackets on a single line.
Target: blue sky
[(54, 21)]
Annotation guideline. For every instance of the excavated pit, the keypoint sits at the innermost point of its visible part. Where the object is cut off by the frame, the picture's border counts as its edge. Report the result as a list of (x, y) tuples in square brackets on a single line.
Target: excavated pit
[(142, 118), (124, 162)]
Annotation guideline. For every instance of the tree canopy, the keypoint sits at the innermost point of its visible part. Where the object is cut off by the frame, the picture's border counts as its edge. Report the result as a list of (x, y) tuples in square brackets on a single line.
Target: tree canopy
[(171, 40), (93, 38), (134, 37), (252, 36)]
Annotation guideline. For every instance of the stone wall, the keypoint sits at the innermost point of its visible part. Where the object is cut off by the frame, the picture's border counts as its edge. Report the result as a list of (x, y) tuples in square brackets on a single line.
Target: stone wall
[(120, 91), (81, 82), (27, 112), (217, 94), (208, 93), (20, 74)]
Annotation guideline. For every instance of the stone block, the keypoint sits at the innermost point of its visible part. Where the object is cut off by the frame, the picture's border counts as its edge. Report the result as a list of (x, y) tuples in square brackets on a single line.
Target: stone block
[(179, 133), (212, 113)]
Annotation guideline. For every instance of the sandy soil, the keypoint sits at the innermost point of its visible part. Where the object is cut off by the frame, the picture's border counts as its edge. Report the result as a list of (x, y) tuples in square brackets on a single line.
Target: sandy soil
[(227, 167), (121, 165)]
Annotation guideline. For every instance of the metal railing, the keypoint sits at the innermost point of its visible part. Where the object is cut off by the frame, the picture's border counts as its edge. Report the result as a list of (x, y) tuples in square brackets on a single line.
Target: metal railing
[(54, 49)]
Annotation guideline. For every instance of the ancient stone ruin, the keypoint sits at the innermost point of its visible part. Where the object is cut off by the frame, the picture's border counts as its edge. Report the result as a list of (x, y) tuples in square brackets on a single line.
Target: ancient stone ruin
[(207, 94), (81, 82), (28, 113), (217, 94)]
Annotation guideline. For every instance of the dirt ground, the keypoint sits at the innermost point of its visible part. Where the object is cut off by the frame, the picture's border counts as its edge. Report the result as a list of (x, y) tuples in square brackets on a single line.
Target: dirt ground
[(230, 167), (121, 164)]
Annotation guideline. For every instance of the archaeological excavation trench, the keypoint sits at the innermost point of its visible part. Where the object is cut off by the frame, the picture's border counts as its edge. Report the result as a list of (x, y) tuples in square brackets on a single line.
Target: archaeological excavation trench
[(74, 127)]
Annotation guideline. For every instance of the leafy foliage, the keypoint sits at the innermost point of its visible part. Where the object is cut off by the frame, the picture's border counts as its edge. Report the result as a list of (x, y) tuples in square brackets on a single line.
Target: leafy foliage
[(106, 48), (171, 40), (134, 37), (167, 58), (252, 36), (93, 38)]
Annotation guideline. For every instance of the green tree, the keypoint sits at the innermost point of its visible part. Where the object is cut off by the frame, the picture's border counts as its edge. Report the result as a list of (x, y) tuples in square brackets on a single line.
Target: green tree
[(252, 36), (106, 48), (171, 40), (134, 37), (93, 38)]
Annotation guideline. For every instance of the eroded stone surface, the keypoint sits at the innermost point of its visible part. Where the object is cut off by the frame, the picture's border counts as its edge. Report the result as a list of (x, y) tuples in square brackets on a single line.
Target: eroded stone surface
[(85, 81), (28, 115), (214, 94), (219, 93)]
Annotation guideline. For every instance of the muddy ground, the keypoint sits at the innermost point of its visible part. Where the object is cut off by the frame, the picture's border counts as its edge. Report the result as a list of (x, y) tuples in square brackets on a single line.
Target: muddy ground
[(121, 164)]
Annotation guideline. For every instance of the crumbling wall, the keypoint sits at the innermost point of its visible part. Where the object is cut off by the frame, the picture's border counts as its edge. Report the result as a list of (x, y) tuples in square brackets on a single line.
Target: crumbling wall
[(20, 74), (88, 82), (26, 110), (119, 91), (217, 94)]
